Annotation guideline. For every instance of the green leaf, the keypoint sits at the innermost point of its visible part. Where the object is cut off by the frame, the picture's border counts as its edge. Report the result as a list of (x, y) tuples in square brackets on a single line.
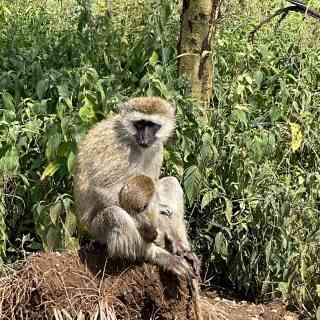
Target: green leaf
[(53, 238), (192, 183), (9, 112), (53, 144), (42, 87), (8, 101), (10, 162), (221, 244), (38, 107), (259, 78), (154, 58), (55, 211), (71, 161), (283, 287), (71, 243), (240, 116), (70, 223), (63, 90), (207, 198), (51, 169), (86, 112)]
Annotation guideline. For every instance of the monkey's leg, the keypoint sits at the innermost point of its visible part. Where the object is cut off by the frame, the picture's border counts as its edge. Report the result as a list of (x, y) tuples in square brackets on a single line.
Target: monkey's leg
[(117, 229), (171, 194)]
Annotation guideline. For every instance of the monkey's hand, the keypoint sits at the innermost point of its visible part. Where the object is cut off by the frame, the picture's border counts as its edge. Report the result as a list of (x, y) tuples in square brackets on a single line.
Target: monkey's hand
[(180, 249), (194, 261), (148, 232), (178, 266), (165, 210)]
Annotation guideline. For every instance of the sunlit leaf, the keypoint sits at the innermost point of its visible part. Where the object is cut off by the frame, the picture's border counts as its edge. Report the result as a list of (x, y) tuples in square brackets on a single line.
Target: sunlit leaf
[(51, 169), (55, 212), (9, 163), (207, 198), (154, 58), (248, 78), (283, 287), (71, 161), (70, 223), (296, 136), (86, 112)]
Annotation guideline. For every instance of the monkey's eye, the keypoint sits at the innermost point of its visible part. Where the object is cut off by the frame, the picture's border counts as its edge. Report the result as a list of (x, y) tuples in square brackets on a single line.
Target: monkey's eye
[(142, 124), (145, 207)]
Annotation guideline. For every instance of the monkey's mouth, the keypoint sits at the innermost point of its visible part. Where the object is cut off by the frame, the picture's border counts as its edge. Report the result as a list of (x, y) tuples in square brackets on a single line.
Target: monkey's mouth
[(145, 145)]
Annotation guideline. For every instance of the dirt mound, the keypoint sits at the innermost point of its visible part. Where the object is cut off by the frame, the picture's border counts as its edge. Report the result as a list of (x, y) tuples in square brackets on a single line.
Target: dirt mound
[(65, 285)]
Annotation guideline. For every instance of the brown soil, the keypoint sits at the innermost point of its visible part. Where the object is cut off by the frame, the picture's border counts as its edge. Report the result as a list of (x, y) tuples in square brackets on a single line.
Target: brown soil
[(57, 285)]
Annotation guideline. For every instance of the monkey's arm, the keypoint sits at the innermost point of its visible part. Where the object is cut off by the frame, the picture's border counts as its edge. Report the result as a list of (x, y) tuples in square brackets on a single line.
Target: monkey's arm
[(117, 229)]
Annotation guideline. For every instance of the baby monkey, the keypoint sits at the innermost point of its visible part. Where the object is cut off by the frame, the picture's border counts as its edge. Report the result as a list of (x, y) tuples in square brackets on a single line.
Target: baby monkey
[(138, 198), (159, 232)]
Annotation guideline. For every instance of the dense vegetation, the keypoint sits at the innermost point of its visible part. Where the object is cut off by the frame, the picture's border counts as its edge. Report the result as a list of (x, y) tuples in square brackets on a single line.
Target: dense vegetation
[(249, 166)]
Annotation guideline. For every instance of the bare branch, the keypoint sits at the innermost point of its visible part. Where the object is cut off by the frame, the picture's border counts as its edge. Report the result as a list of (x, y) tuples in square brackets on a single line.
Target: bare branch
[(296, 7)]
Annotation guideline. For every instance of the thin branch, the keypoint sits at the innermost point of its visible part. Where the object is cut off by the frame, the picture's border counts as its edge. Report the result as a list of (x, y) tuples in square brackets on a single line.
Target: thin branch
[(296, 7), (305, 9)]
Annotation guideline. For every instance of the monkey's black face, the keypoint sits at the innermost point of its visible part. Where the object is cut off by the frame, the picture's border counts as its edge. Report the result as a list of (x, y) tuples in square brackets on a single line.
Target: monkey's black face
[(146, 132)]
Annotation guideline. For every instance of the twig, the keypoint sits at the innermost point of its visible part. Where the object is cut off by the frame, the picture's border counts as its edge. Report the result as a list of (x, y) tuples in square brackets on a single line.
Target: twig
[(194, 286)]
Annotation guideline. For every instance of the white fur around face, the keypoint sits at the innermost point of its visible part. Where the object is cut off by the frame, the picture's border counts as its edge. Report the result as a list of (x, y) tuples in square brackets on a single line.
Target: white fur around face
[(167, 125)]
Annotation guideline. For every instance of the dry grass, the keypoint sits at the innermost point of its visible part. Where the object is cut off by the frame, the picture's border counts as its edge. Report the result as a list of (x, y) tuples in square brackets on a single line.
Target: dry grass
[(83, 285)]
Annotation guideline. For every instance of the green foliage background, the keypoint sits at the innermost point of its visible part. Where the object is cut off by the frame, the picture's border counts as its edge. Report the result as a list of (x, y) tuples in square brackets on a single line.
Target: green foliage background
[(250, 170)]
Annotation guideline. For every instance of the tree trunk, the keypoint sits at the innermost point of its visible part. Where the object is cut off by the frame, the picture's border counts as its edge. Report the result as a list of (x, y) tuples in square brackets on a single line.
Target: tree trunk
[(195, 56)]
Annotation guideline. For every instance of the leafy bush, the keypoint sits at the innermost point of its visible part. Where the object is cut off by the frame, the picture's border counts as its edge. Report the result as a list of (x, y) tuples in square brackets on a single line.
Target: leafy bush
[(249, 166)]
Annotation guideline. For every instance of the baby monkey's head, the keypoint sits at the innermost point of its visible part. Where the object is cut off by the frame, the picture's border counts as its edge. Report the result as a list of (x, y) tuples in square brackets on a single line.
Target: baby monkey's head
[(138, 195)]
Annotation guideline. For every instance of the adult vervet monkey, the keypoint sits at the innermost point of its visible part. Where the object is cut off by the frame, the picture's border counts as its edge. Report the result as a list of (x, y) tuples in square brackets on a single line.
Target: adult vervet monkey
[(126, 145)]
